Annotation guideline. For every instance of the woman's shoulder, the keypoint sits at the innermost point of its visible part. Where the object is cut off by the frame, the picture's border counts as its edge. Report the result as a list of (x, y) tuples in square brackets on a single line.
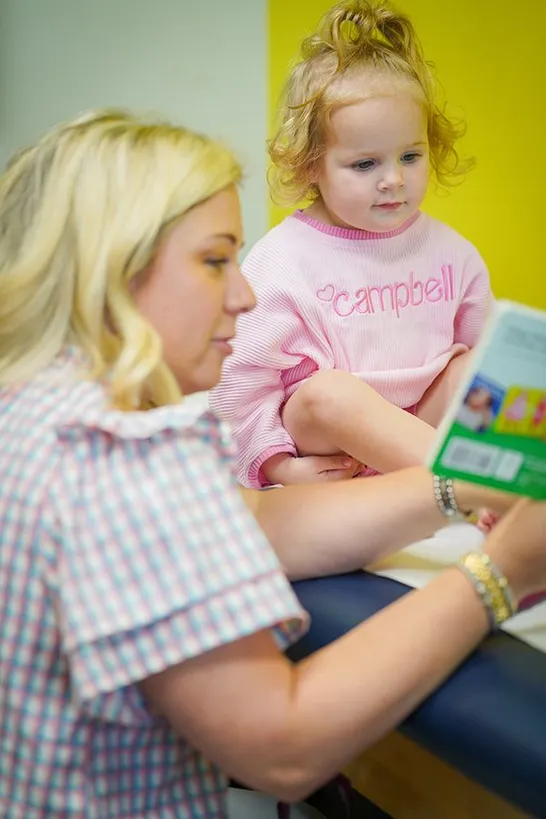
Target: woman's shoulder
[(73, 405), (97, 413), (94, 436)]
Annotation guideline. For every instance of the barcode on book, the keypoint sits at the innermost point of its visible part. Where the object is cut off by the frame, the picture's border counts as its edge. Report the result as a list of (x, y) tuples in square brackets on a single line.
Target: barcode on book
[(469, 456), (509, 465), (485, 460)]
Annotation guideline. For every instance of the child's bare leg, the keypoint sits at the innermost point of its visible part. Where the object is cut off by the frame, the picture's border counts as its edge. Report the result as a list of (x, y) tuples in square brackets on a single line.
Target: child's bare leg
[(435, 401), (335, 411)]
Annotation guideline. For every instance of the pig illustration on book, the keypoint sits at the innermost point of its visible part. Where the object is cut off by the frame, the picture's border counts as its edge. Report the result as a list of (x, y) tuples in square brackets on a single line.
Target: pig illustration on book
[(517, 409)]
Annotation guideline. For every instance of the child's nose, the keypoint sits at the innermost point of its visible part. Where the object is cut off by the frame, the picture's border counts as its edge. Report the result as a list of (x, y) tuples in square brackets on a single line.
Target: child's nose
[(393, 177)]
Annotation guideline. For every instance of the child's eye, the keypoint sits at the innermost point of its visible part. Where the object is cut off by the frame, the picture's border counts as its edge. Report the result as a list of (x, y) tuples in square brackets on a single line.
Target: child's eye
[(363, 165), (411, 157)]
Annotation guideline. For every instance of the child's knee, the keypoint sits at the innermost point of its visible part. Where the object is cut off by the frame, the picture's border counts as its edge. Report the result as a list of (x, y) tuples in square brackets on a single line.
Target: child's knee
[(322, 395)]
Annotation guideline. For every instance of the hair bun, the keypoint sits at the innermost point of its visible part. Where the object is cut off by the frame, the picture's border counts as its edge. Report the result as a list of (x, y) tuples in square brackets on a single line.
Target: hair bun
[(353, 28)]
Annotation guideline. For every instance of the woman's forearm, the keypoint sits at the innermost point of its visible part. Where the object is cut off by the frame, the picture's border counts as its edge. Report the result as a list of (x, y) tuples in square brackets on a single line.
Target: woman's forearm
[(323, 529), (329, 528), (288, 728), (342, 706)]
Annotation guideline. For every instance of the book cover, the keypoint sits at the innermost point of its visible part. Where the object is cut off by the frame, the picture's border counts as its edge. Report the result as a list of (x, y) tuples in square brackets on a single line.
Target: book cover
[(494, 432)]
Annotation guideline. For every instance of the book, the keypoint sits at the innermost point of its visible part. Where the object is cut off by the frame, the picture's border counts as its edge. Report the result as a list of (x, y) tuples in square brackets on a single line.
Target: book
[(494, 431)]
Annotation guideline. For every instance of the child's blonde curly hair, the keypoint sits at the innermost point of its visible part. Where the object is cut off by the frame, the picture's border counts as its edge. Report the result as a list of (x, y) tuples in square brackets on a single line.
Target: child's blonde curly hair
[(355, 38)]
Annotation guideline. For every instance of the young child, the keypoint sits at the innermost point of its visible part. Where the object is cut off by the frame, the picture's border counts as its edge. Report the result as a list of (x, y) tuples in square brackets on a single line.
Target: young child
[(367, 307)]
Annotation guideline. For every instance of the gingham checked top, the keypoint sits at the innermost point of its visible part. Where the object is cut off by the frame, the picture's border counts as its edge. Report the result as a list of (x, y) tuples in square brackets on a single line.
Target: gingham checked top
[(125, 547)]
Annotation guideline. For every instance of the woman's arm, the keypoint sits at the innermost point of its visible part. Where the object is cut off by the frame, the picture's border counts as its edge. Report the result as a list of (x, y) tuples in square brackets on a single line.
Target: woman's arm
[(324, 529), (288, 728)]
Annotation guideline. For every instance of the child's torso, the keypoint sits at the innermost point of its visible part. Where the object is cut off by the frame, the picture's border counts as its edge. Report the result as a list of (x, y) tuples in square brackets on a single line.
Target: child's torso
[(382, 308)]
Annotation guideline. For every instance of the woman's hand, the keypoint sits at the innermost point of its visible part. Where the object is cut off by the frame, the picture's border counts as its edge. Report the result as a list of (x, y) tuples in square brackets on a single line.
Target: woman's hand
[(517, 545)]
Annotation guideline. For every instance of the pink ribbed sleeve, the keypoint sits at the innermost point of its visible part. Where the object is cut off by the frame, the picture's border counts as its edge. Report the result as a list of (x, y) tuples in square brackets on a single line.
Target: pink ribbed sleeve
[(476, 300), (274, 349)]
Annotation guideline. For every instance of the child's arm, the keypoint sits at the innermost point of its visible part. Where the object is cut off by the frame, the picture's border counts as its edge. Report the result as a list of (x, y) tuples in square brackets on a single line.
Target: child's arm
[(250, 397), (475, 301), (273, 347)]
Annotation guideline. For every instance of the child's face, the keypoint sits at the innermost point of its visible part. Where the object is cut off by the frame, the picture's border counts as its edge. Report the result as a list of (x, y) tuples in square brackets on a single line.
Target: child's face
[(375, 172), (478, 399)]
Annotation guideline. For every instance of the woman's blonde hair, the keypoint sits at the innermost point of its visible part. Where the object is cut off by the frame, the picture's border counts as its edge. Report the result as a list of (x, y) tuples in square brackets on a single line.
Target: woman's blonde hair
[(81, 214), (354, 38)]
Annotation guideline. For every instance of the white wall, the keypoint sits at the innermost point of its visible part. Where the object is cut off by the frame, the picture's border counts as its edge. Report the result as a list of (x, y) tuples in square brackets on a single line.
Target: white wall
[(202, 63)]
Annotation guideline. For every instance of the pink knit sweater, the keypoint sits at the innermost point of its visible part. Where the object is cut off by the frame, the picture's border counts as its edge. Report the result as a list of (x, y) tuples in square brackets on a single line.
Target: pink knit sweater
[(391, 308)]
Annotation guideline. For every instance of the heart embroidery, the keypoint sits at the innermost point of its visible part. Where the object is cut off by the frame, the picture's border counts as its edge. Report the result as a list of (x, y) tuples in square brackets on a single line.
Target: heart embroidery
[(327, 293)]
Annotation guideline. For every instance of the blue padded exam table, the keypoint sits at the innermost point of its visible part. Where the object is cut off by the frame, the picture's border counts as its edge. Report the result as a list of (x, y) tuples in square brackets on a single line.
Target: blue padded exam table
[(488, 720)]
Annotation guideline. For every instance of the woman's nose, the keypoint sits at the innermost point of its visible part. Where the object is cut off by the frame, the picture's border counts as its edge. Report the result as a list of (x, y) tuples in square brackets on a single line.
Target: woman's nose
[(240, 297)]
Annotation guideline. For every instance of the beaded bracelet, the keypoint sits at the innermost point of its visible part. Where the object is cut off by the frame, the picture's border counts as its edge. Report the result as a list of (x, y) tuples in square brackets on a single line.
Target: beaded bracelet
[(445, 498), (491, 585)]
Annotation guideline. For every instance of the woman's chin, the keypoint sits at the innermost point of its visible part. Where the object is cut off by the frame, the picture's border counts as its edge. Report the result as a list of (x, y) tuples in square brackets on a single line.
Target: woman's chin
[(203, 381)]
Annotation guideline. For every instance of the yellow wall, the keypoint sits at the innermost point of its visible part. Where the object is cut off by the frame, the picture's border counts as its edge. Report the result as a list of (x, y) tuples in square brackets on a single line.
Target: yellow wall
[(492, 65)]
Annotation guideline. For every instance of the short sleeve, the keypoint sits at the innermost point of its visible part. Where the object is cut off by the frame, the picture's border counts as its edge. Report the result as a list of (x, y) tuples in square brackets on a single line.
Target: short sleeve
[(476, 301), (158, 558)]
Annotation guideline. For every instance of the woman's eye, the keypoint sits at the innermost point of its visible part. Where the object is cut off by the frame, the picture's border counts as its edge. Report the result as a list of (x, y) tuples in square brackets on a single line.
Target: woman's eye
[(363, 165), (218, 263)]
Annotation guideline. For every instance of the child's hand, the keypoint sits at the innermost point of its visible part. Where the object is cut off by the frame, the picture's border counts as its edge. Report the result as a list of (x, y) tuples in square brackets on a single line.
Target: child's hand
[(486, 520), (286, 470)]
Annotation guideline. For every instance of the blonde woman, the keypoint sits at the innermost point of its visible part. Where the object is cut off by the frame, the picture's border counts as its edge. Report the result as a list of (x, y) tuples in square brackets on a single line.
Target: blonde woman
[(138, 586)]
